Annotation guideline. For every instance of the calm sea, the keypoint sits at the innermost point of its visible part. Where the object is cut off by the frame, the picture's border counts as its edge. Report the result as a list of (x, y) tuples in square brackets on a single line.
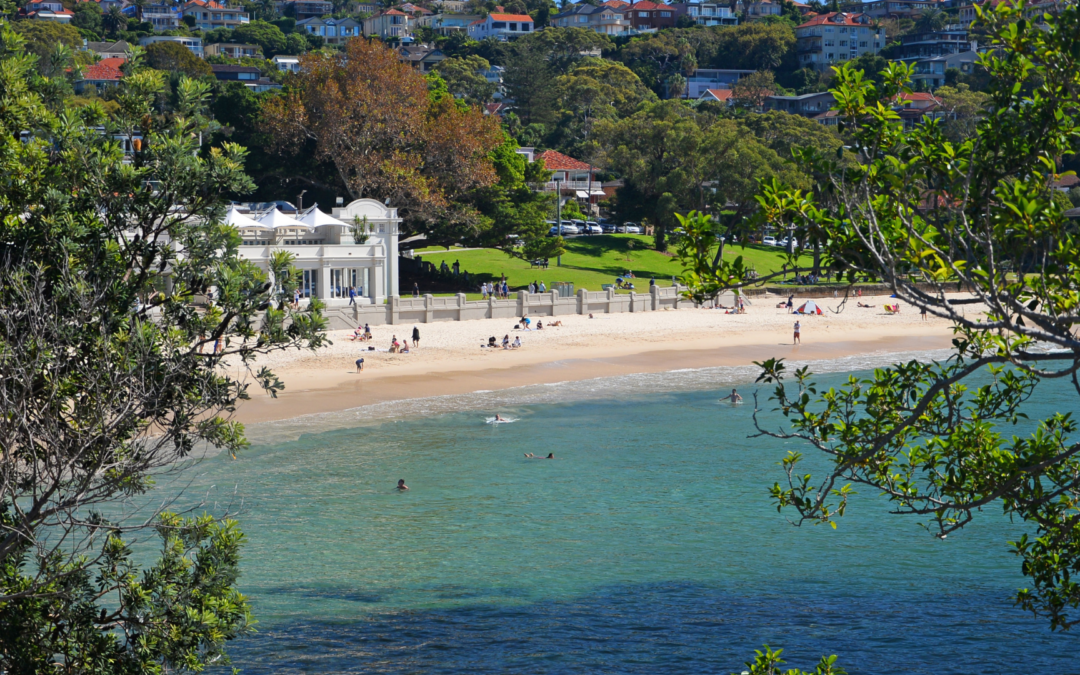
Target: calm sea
[(648, 545)]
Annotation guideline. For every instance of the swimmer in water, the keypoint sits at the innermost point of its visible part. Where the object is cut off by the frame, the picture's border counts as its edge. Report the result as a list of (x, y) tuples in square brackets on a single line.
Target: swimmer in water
[(734, 398), (550, 456), (499, 418), (401, 484)]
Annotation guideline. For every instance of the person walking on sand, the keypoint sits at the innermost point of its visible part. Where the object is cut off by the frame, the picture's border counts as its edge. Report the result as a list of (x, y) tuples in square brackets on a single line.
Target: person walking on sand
[(415, 336), (798, 340), (359, 364), (790, 303)]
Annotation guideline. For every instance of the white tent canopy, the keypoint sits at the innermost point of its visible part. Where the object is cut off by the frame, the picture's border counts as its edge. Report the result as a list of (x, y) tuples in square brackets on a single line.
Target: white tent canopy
[(276, 219), (239, 220), (315, 218), (808, 307)]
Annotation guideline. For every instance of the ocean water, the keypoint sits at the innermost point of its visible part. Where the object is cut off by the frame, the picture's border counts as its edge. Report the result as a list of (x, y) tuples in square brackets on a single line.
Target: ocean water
[(648, 545)]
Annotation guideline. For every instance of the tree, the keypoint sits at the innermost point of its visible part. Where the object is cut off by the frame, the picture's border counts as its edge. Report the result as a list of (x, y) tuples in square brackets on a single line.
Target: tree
[(174, 57), (114, 21), (931, 19), (109, 379), (964, 108), (42, 37), (594, 89), (658, 151), (752, 90), (266, 35), (464, 76), (372, 118), (930, 215), (87, 17)]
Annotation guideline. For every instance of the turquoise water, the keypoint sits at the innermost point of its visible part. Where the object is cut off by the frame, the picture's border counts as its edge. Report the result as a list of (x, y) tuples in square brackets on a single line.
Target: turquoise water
[(648, 545)]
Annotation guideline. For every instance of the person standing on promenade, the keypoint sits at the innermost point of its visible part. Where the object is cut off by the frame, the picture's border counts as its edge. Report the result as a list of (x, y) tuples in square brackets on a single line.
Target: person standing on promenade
[(352, 295), (415, 336), (798, 340), (416, 289)]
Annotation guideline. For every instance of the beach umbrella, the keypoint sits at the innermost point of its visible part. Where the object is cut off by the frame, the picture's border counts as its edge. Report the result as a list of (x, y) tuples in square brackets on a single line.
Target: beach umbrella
[(808, 307), (315, 218)]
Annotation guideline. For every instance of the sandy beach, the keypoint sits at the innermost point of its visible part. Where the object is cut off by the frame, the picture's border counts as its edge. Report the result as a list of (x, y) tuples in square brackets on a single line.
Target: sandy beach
[(450, 360)]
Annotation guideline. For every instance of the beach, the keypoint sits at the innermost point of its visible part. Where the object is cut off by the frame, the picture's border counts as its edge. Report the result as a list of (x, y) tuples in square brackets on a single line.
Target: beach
[(450, 360)]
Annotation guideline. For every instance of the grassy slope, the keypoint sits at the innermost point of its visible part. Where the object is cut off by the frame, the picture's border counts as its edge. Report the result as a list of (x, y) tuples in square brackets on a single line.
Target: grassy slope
[(592, 261)]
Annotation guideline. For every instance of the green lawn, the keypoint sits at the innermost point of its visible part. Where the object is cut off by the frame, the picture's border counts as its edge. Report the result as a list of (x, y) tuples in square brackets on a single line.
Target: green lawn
[(592, 261)]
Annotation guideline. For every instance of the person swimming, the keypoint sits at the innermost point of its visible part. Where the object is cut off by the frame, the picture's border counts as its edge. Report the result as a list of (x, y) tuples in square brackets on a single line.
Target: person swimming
[(401, 484), (734, 397), (500, 418)]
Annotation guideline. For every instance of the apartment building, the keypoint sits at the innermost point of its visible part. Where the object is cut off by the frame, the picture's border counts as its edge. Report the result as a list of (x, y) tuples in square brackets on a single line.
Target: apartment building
[(646, 16), (835, 37), (501, 26), (391, 24)]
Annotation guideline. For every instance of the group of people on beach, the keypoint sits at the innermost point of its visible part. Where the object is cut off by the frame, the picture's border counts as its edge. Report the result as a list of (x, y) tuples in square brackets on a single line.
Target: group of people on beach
[(493, 342)]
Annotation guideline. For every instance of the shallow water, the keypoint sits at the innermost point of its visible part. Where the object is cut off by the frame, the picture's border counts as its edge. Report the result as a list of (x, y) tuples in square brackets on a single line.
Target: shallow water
[(648, 545)]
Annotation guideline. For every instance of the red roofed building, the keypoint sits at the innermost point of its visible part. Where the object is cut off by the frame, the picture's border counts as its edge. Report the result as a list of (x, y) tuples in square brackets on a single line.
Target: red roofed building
[(209, 15), (918, 100), (571, 177), (650, 16), (105, 73), (835, 37), (501, 26), (46, 10)]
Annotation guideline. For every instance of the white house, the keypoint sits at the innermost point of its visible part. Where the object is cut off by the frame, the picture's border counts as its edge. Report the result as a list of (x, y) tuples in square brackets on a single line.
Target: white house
[(501, 26), (356, 247), (289, 64), (192, 43)]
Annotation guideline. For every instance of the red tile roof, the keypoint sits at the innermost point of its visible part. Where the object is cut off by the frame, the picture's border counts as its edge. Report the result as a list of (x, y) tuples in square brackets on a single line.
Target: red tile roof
[(556, 161), (645, 4), (105, 69), (827, 18), (720, 94), (511, 17), (392, 11), (917, 96), (615, 4)]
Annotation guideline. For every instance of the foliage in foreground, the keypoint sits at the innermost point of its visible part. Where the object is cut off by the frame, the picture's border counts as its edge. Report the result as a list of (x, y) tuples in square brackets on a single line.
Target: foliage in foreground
[(932, 215), (122, 301)]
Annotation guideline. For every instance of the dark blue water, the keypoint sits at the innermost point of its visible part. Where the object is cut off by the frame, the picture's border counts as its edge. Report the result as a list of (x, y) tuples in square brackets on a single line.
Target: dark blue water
[(649, 545)]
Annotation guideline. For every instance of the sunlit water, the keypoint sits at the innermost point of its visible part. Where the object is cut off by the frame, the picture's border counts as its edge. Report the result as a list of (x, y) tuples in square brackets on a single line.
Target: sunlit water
[(648, 545)]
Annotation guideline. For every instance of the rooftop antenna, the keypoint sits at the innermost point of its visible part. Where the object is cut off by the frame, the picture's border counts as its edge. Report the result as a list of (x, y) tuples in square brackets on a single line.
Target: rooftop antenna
[(300, 201)]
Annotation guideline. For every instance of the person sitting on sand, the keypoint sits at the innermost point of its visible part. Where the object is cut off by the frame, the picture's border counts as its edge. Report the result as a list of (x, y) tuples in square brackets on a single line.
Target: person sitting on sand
[(517, 342), (539, 325), (394, 345), (734, 397), (404, 349), (401, 484), (590, 316), (506, 341), (357, 334), (491, 342), (367, 332)]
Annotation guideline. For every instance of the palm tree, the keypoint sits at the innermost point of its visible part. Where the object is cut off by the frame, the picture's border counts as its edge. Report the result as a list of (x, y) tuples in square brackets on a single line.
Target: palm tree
[(932, 19), (113, 20)]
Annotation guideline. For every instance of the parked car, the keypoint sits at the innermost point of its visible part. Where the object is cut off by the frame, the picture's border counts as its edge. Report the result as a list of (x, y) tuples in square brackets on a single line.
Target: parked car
[(567, 228), (592, 227), (784, 243), (608, 228), (769, 241), (633, 229)]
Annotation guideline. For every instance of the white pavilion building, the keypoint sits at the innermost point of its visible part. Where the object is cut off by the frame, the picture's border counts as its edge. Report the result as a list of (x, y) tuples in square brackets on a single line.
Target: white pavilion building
[(355, 247)]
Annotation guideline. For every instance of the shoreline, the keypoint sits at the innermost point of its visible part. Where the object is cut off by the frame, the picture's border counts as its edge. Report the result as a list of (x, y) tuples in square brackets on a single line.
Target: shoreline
[(326, 382)]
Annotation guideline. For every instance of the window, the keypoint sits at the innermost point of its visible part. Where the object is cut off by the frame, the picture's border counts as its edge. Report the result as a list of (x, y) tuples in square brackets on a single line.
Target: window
[(843, 43), (308, 281), (247, 76), (643, 15), (830, 43), (582, 19), (665, 13), (830, 56), (498, 24), (525, 27), (862, 43)]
